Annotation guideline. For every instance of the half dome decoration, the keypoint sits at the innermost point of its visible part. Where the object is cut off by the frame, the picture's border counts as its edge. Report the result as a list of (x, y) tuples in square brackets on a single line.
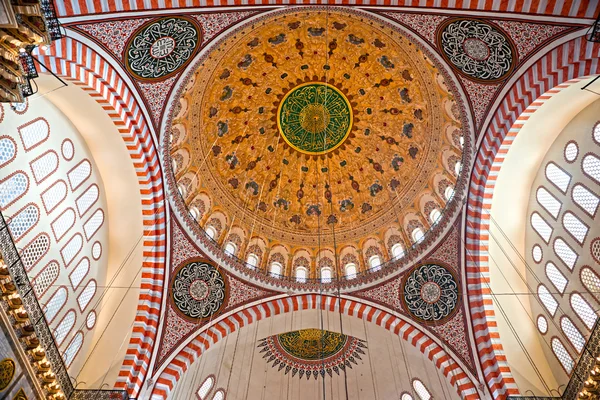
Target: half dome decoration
[(312, 352), (312, 134)]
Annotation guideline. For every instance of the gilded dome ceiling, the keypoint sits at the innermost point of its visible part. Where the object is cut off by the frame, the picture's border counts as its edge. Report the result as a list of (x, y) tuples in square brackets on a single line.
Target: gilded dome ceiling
[(316, 128)]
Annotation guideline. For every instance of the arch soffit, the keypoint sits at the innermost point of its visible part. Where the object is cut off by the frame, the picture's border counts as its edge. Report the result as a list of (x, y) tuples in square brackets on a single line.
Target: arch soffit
[(105, 85), (173, 369)]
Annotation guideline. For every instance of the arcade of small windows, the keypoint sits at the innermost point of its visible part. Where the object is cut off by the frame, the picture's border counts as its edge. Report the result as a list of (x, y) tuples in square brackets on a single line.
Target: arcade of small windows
[(419, 390), (205, 392), (563, 223)]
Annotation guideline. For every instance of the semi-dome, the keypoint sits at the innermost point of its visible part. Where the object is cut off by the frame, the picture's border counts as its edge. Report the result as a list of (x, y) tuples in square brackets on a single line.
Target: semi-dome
[(315, 133)]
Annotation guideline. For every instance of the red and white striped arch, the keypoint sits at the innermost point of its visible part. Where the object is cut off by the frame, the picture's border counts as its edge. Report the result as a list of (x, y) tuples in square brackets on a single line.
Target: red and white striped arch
[(180, 363), (564, 8), (576, 58), (83, 66)]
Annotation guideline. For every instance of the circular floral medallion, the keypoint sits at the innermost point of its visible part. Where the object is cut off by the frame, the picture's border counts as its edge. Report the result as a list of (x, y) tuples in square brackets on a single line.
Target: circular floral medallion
[(477, 49), (162, 47), (7, 371), (430, 293), (198, 290), (314, 118)]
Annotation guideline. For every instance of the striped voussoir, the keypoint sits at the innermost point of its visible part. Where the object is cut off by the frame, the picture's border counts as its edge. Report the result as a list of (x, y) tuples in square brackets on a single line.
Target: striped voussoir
[(566, 8), (84, 67), (180, 363), (576, 58)]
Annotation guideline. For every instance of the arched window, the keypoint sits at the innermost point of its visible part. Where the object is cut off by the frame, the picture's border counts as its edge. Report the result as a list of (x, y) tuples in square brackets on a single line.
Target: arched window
[(574, 226), (461, 140), (12, 188), (350, 270), (34, 132), (194, 212), (24, 221), (558, 177), (205, 388), (252, 260), (565, 253), (591, 281), (210, 232), (421, 390), (542, 324), (45, 278), (71, 249), (562, 354), (182, 190), (44, 166), (79, 174), (583, 310), (64, 327), (87, 199), (275, 269), (457, 167), (449, 193), (406, 396), (91, 226), (548, 201), (591, 167), (572, 333), (219, 395), (556, 277), (7, 150), (596, 134), (54, 305), (86, 295), (417, 235), (547, 300), (375, 263), (585, 199), (326, 274), (35, 250), (301, 274), (73, 349), (230, 248), (434, 215), (541, 226), (397, 250), (79, 272)]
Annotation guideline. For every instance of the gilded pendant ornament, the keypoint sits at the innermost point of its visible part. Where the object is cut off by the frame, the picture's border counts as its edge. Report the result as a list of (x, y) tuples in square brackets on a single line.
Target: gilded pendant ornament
[(314, 118), (312, 352), (430, 293)]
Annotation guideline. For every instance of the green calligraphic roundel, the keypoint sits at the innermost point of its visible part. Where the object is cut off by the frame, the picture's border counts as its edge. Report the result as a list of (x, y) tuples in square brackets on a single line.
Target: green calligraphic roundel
[(314, 118)]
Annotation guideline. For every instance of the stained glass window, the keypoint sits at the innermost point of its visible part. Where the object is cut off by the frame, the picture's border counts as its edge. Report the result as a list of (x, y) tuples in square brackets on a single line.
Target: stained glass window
[(574, 226), (73, 349), (24, 221), (583, 310), (591, 167), (565, 253), (421, 390), (562, 354), (86, 295), (204, 389), (585, 199), (64, 327), (547, 300), (55, 303), (540, 225), (548, 201), (572, 333), (44, 166), (87, 199), (556, 277), (558, 176), (79, 174), (12, 188), (219, 395), (542, 324)]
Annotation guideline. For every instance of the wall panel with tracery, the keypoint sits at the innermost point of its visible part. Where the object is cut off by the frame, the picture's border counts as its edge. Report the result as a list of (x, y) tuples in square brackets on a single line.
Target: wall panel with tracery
[(560, 240), (52, 196)]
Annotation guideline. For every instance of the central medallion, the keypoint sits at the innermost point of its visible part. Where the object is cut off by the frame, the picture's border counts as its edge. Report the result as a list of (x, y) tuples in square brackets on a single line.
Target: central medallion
[(314, 118)]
